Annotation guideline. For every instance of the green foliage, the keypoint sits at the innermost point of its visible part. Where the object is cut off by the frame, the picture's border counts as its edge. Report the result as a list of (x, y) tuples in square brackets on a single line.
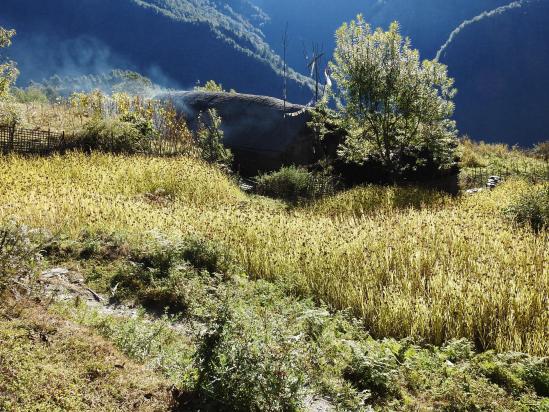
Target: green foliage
[(31, 94), (374, 371), (205, 255), (141, 123), (290, 183), (396, 108), (531, 208), (172, 275), (295, 183), (8, 70), (10, 112), (111, 135), (210, 140), (210, 86), (458, 350), (250, 360), (18, 254)]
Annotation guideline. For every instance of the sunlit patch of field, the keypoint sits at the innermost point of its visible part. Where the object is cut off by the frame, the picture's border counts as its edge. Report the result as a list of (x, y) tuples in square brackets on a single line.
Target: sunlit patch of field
[(407, 262)]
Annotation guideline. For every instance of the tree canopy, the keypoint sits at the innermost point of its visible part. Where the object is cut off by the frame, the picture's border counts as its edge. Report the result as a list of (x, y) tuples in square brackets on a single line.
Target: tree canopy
[(394, 106), (8, 70)]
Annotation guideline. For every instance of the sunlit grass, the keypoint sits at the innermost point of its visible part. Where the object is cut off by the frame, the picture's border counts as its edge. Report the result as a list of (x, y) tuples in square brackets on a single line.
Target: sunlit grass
[(409, 263)]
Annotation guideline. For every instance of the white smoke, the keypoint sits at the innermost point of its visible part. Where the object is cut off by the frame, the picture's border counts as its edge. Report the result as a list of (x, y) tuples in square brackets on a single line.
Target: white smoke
[(328, 79), (476, 19)]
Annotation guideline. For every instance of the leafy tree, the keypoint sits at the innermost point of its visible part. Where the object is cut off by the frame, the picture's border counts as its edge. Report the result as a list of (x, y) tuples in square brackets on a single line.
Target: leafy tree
[(210, 140), (8, 71), (210, 86), (396, 108)]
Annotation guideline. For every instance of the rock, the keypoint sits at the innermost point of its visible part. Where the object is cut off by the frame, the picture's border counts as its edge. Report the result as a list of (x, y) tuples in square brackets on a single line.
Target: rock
[(256, 129), (318, 404), (55, 272), (493, 182), (473, 191)]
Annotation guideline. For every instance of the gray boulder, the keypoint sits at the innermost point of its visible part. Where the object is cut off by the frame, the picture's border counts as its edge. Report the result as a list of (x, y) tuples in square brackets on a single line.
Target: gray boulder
[(256, 129)]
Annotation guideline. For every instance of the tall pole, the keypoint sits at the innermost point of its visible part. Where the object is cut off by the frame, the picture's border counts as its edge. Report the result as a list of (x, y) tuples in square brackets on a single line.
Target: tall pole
[(285, 44), (314, 68)]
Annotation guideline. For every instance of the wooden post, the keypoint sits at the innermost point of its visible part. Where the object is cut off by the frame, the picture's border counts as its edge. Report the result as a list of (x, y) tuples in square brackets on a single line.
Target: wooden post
[(11, 137), (61, 143)]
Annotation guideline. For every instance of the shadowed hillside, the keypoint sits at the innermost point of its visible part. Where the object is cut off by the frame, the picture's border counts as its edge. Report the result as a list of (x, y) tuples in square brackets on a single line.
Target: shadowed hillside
[(174, 45), (500, 65)]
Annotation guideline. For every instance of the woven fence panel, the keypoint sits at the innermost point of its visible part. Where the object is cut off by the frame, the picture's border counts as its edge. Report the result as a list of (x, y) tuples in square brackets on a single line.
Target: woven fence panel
[(19, 140)]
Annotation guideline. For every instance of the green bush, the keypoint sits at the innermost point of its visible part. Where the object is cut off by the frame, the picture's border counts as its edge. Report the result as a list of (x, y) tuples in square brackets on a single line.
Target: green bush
[(111, 135), (10, 113), (18, 254), (250, 360), (531, 208), (209, 140), (32, 94), (458, 350), (536, 374), (290, 183), (373, 369), (176, 276), (294, 183), (205, 255)]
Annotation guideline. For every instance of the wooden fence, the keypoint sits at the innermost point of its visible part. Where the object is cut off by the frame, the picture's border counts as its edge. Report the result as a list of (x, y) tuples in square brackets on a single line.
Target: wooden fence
[(15, 139), (478, 177)]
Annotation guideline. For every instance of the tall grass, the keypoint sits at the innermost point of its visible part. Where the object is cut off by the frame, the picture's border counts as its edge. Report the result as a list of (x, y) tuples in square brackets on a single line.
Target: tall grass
[(436, 268)]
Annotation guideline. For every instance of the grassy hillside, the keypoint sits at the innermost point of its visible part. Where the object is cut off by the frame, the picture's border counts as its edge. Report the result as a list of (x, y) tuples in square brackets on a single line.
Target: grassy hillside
[(48, 363), (176, 236), (485, 279)]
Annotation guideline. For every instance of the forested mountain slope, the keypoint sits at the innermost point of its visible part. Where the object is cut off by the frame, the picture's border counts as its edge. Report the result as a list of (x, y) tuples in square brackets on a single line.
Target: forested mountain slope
[(499, 61), (500, 65), (176, 43)]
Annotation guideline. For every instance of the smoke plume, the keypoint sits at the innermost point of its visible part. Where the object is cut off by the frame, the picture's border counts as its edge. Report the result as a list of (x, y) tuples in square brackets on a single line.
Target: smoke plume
[(476, 19)]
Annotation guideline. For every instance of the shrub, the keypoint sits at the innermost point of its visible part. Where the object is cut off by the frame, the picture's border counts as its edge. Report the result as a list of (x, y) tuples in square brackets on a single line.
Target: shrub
[(541, 151), (288, 183), (210, 86), (373, 369), (250, 362), (470, 156), (458, 350), (172, 275), (111, 135), (531, 208), (18, 255), (294, 183), (32, 94), (141, 123), (205, 255), (210, 140), (10, 113)]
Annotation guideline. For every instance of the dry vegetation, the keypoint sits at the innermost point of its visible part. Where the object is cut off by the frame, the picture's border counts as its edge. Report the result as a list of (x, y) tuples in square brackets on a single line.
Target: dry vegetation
[(48, 363), (437, 270)]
